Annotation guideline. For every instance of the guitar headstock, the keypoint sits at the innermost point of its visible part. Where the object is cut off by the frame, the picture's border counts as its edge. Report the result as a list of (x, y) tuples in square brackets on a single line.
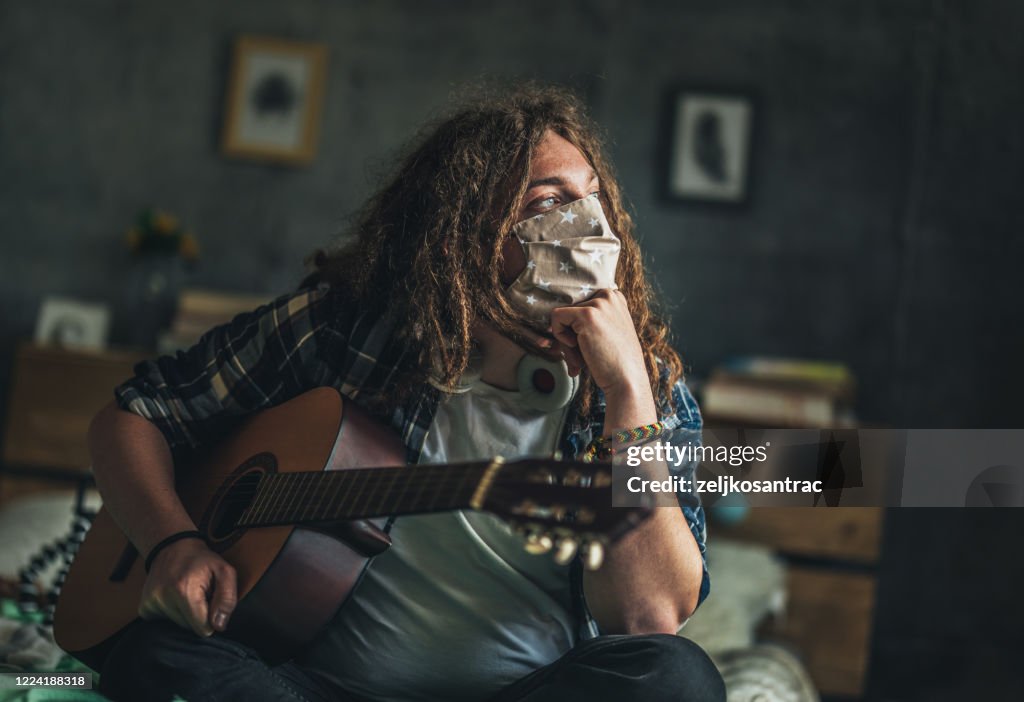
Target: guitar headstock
[(561, 506)]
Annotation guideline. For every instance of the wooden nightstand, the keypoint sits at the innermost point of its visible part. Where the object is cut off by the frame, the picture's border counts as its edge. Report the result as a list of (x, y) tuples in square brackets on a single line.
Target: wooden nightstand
[(55, 394), (831, 581)]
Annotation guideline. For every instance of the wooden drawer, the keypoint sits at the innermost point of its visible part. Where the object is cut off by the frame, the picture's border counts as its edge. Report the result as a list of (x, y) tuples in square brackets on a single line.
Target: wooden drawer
[(840, 533), (55, 394), (828, 620), (13, 487), (830, 586)]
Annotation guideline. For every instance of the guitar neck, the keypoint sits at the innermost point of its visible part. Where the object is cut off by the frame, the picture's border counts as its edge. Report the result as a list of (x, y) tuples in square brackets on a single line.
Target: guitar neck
[(363, 493)]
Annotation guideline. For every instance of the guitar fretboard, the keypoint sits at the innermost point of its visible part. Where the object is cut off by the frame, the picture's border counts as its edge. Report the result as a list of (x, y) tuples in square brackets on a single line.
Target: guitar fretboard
[(296, 498)]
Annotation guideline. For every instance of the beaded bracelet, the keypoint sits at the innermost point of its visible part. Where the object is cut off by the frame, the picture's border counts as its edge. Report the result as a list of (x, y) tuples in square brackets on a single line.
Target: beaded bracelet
[(602, 447)]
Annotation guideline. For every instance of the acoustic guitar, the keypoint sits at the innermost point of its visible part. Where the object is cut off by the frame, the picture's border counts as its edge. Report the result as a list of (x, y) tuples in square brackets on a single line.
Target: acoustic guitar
[(295, 500)]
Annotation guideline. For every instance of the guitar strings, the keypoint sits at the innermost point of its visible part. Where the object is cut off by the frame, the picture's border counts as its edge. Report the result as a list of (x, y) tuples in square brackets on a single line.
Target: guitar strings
[(292, 489), (372, 479), (367, 491), (310, 503)]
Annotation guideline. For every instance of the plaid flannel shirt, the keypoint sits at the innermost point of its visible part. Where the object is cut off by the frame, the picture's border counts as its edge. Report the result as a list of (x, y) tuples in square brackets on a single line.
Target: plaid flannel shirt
[(314, 338)]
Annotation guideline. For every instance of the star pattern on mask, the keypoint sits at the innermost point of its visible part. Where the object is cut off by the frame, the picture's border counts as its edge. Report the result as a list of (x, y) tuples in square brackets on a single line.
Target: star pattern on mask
[(530, 265), (564, 267), (531, 300), (585, 289), (593, 221), (556, 243), (569, 216), (543, 284), (595, 256)]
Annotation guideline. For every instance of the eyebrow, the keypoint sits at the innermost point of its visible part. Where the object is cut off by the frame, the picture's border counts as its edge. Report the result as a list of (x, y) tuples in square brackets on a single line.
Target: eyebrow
[(556, 180)]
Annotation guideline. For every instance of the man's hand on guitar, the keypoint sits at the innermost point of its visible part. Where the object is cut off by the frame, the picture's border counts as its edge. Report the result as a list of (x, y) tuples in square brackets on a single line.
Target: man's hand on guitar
[(192, 586)]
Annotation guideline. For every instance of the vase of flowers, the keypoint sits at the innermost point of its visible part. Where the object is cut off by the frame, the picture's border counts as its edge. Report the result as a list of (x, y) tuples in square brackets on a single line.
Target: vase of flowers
[(162, 252)]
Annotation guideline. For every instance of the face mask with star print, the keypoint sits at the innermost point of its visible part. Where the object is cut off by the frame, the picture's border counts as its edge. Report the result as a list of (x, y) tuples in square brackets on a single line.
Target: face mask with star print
[(571, 253)]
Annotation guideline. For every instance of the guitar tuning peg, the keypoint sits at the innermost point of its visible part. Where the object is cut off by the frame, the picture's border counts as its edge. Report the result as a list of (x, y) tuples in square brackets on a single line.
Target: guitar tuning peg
[(572, 478), (565, 549), (593, 555), (538, 543)]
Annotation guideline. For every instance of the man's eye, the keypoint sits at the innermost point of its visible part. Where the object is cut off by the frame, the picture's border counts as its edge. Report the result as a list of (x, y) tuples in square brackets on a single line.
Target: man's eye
[(545, 204)]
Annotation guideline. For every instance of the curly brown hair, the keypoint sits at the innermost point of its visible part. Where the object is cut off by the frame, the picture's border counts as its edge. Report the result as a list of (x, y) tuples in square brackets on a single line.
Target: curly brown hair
[(427, 248)]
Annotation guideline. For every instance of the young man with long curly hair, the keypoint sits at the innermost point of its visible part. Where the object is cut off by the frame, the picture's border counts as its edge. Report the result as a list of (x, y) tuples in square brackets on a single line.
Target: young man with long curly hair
[(501, 238)]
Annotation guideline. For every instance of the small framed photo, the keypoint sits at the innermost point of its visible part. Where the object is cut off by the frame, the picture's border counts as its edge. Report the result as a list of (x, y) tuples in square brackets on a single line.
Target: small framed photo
[(274, 100), (72, 324), (708, 146)]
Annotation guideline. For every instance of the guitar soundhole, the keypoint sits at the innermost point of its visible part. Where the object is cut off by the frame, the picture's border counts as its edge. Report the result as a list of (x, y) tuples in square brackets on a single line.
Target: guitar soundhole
[(236, 494), (237, 499)]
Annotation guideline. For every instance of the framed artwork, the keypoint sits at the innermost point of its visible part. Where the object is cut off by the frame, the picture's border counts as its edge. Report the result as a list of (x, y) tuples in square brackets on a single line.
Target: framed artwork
[(274, 100), (72, 323), (709, 136)]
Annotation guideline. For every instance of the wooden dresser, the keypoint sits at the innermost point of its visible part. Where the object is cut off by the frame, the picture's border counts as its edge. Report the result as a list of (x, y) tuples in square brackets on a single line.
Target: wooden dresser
[(832, 553), (54, 395)]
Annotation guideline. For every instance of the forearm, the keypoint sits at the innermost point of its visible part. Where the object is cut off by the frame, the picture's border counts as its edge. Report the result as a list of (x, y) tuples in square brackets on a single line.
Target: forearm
[(650, 581), (135, 475)]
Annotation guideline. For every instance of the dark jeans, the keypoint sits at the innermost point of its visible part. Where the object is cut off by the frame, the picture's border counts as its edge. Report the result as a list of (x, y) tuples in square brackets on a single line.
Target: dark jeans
[(157, 660)]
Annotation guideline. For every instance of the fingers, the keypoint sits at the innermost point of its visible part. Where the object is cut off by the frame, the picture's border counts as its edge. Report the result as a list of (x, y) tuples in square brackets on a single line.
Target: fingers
[(195, 605), (165, 605), (225, 596), (202, 595), (538, 340), (150, 608), (553, 349), (563, 333), (583, 319), (567, 323), (573, 359), (541, 345), (562, 319)]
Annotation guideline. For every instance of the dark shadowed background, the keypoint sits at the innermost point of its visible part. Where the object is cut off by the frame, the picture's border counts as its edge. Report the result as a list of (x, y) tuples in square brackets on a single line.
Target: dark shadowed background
[(884, 228)]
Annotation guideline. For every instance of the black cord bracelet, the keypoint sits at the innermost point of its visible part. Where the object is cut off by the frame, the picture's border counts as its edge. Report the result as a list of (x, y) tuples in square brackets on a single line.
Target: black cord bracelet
[(155, 551)]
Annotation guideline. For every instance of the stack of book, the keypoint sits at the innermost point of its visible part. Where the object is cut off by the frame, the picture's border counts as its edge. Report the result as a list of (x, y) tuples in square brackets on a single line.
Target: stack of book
[(775, 392), (201, 310)]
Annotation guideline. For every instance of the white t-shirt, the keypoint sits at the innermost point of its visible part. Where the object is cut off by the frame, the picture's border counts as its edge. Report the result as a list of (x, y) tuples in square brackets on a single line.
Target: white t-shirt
[(455, 609)]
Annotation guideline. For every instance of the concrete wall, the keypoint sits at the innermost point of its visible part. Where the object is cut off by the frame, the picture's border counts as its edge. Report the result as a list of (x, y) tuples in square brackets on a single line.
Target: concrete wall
[(882, 230)]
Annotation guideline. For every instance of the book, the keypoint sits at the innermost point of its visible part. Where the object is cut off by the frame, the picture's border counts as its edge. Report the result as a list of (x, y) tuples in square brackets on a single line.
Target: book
[(200, 310), (780, 393), (214, 303), (825, 375)]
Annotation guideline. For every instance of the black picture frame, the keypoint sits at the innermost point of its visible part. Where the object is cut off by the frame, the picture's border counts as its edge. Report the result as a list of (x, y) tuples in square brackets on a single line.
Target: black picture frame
[(705, 153)]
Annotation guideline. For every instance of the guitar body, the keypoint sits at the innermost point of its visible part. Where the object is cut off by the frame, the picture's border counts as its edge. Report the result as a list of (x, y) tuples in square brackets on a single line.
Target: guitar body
[(288, 500), (291, 580)]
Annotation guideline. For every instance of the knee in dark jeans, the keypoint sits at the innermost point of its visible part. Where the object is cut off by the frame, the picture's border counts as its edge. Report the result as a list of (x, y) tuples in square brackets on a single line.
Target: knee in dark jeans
[(686, 673)]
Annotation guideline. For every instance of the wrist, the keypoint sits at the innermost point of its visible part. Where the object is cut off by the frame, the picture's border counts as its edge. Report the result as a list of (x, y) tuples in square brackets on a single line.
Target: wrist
[(176, 539), (167, 521), (630, 391)]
